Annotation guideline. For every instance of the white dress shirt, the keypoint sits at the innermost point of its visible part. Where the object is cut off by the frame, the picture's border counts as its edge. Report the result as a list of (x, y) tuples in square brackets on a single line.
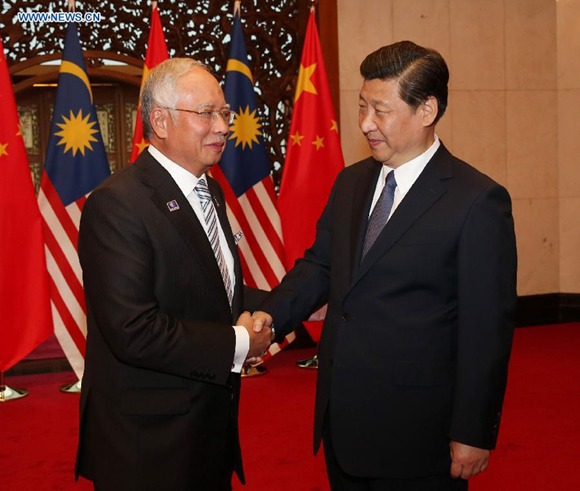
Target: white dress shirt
[(405, 175), (186, 182)]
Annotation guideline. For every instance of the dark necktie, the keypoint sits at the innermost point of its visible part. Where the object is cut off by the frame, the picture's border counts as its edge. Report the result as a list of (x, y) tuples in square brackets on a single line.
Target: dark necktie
[(381, 213)]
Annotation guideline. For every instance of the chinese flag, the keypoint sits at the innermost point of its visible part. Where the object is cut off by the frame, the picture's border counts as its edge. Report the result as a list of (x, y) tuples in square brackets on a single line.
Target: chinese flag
[(156, 53), (314, 157), (24, 285)]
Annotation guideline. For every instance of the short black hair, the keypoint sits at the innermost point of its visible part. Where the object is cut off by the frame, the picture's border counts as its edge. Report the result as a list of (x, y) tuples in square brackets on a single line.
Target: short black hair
[(422, 72)]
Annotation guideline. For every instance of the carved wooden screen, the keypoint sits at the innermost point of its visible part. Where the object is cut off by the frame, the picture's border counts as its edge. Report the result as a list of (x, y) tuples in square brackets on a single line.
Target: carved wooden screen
[(274, 31)]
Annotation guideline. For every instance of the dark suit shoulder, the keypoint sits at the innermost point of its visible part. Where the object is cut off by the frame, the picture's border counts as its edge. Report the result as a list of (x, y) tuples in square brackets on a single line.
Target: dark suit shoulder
[(117, 180), (360, 167), (121, 190), (463, 170)]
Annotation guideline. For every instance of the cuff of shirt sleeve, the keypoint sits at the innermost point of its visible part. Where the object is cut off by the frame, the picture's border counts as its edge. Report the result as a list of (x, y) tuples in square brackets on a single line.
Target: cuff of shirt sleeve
[(242, 348)]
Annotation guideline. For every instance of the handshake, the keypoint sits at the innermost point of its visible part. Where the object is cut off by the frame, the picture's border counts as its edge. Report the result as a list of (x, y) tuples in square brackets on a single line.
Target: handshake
[(261, 332)]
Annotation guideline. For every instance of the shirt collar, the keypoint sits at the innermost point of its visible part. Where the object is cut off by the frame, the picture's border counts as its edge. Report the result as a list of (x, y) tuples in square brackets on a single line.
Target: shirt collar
[(407, 174), (184, 179)]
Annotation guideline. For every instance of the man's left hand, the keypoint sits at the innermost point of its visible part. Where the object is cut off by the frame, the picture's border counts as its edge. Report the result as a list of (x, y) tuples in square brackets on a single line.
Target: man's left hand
[(467, 461)]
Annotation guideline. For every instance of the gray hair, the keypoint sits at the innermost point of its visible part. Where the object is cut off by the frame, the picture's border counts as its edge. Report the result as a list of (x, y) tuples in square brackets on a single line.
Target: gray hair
[(160, 88)]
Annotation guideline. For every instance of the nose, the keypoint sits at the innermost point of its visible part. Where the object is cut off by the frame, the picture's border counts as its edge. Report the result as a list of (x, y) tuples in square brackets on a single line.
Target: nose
[(219, 125), (366, 122)]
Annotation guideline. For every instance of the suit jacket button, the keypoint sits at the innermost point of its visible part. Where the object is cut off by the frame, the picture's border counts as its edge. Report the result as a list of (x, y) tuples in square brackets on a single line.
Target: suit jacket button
[(346, 317)]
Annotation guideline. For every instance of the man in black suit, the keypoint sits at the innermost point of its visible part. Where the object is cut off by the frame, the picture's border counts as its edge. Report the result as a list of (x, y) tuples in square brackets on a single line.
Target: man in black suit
[(415, 255), (163, 287)]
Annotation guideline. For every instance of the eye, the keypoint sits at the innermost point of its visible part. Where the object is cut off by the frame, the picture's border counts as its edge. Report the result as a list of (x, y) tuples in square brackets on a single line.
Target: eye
[(206, 114), (362, 108)]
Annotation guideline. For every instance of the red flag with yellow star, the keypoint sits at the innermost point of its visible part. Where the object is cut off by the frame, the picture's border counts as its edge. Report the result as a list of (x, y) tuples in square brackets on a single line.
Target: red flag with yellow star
[(24, 285), (313, 157), (156, 53)]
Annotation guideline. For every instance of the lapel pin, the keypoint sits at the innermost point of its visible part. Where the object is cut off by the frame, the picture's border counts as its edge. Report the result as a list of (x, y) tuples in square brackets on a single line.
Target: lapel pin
[(172, 205), (238, 237), (216, 202)]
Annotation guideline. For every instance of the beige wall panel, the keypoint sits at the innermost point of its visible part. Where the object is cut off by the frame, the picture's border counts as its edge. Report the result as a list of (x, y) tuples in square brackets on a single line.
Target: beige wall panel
[(477, 44), (479, 131), (537, 230), (568, 27), (532, 144), (530, 44), (569, 142), (363, 27), (570, 245), (425, 22), (354, 144)]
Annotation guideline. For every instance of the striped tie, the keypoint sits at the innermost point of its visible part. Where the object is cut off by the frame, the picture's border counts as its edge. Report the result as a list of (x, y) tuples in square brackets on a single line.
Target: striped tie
[(210, 217)]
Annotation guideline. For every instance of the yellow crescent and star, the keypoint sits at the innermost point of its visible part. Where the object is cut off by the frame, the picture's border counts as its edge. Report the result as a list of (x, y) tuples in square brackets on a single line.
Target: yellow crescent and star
[(77, 132), (305, 84), (245, 129)]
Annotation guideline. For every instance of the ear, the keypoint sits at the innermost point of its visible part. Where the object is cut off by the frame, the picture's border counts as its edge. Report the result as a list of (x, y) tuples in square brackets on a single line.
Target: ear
[(159, 121), (429, 110)]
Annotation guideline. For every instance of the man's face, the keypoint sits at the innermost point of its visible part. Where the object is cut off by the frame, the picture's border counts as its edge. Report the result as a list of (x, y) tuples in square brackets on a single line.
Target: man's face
[(195, 141), (394, 132)]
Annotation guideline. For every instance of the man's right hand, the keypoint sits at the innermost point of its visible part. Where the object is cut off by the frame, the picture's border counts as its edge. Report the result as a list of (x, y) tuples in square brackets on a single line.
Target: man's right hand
[(260, 340)]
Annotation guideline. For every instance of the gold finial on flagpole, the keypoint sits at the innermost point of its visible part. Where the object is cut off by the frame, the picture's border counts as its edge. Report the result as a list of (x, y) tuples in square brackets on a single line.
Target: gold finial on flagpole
[(71, 5), (237, 7), (153, 5), (313, 5)]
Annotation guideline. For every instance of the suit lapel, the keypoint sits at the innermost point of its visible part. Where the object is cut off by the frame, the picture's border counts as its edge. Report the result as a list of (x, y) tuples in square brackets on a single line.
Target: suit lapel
[(164, 190), (429, 187), (363, 197), (221, 210)]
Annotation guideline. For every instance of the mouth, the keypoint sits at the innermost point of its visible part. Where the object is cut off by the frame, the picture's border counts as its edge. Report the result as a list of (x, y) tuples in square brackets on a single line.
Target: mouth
[(217, 146), (374, 143)]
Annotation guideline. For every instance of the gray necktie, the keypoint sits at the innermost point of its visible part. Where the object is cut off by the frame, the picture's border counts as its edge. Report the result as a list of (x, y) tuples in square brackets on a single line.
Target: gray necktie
[(381, 213), (210, 216)]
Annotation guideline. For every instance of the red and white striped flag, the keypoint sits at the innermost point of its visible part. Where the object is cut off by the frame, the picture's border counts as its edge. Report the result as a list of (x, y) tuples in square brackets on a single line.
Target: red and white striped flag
[(76, 163)]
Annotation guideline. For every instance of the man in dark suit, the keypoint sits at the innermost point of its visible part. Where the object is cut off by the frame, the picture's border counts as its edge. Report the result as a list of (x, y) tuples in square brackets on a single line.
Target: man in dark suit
[(163, 287), (415, 255)]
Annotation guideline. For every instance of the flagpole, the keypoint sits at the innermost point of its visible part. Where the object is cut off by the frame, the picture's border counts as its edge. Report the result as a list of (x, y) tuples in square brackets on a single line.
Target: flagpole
[(7, 394)]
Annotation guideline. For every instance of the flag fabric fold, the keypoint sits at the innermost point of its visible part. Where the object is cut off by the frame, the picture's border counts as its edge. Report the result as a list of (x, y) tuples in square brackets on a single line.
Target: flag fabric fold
[(313, 157), (24, 283), (244, 174), (156, 53), (76, 163)]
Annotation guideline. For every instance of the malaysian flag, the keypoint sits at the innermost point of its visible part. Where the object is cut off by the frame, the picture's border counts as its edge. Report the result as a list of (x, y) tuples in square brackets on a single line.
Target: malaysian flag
[(76, 163), (244, 174)]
